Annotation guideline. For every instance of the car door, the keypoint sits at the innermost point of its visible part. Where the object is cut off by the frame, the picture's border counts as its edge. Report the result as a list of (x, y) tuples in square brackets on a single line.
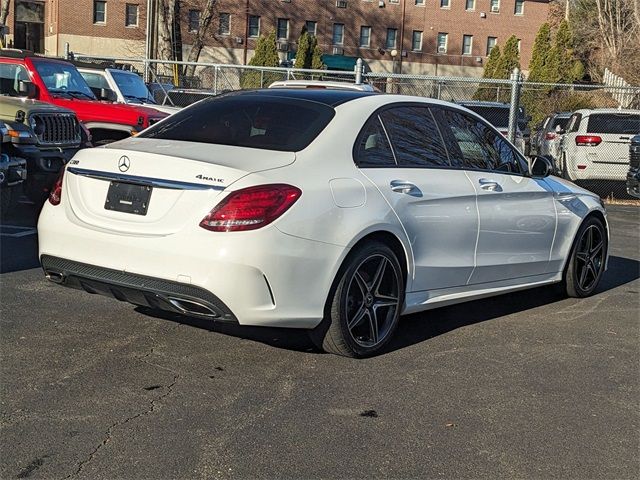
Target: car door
[(402, 152), (516, 212)]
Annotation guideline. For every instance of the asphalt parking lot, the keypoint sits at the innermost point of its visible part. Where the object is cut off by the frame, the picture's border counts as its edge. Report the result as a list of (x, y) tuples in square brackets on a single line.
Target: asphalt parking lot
[(526, 385)]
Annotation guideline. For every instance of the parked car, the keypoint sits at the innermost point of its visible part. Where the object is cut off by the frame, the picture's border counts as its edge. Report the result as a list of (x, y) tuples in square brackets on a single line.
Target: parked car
[(546, 141), (45, 135), (596, 144), (497, 114), (13, 171), (334, 211), (24, 74), (127, 86), (633, 175)]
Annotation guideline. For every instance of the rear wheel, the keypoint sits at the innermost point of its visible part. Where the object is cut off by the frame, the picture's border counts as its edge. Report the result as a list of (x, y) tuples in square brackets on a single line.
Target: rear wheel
[(364, 306), (586, 264)]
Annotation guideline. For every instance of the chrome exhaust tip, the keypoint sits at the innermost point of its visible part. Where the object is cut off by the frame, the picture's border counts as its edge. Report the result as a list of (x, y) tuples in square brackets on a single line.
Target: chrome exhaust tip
[(54, 277), (189, 307)]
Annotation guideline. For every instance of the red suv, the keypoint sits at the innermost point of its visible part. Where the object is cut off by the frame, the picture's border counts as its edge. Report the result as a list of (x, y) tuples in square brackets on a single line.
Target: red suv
[(57, 81)]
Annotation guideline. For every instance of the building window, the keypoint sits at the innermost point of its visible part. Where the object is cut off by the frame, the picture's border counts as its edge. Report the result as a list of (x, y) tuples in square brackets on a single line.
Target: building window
[(470, 5), (131, 17), (519, 10), (467, 44), (283, 29), (312, 27), (392, 34), (365, 36), (491, 42), (443, 40), (338, 33), (194, 20), (394, 1), (519, 45), (445, 3), (420, 2), (254, 26), (495, 6), (99, 11), (224, 27), (416, 41)]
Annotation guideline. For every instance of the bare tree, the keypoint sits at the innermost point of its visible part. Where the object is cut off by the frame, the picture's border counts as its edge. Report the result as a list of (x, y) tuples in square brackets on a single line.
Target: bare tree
[(166, 33), (206, 16), (4, 11)]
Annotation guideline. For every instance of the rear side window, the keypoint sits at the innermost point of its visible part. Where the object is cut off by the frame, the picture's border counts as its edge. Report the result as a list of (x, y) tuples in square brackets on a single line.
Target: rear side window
[(415, 137), (373, 148), (254, 121), (560, 122), (614, 123), (496, 116), (10, 76), (479, 147)]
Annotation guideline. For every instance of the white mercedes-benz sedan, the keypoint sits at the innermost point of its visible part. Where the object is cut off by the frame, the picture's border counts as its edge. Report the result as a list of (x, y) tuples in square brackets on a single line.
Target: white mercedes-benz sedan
[(334, 211)]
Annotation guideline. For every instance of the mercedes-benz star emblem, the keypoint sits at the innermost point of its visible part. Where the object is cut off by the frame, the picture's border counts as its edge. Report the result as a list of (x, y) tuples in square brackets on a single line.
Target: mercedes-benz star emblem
[(124, 163)]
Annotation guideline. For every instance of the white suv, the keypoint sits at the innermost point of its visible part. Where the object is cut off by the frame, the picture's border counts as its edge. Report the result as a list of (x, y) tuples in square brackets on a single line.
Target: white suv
[(596, 144)]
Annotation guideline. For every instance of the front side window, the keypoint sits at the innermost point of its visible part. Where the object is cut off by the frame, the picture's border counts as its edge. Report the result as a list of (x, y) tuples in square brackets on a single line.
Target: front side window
[(479, 146), (247, 120), (254, 26), (99, 11), (392, 34), (224, 27), (131, 85), (283, 28), (131, 17), (415, 137), (365, 36), (491, 42), (10, 77), (312, 27), (467, 44), (194, 20), (338, 33), (443, 40), (416, 42), (373, 149)]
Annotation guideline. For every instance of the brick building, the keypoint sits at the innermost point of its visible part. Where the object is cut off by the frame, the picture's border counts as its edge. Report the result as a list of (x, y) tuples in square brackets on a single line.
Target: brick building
[(444, 37)]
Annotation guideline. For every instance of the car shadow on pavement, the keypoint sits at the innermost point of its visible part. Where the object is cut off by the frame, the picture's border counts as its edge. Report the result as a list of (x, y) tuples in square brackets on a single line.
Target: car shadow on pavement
[(419, 327)]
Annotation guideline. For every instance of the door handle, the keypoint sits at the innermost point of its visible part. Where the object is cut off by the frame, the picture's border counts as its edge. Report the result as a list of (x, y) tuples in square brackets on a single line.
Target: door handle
[(402, 186), (489, 185)]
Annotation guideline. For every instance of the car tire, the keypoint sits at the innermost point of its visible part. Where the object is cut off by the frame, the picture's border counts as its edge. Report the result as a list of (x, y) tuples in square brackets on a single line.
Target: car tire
[(587, 261), (364, 304)]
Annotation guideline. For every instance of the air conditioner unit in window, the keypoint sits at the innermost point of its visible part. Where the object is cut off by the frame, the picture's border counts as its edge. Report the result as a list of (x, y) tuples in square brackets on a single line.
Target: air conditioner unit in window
[(283, 46), (341, 3), (495, 8), (381, 3), (442, 49), (239, 40), (337, 51)]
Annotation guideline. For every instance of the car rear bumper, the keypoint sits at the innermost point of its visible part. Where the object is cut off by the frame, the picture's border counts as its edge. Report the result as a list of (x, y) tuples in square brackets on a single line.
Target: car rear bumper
[(260, 278)]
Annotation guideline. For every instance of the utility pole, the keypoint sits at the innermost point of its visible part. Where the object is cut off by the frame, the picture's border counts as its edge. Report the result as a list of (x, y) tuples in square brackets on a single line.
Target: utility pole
[(149, 37), (404, 5)]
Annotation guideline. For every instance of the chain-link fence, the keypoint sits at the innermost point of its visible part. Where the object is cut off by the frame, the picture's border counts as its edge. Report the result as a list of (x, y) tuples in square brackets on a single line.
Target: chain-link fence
[(584, 129)]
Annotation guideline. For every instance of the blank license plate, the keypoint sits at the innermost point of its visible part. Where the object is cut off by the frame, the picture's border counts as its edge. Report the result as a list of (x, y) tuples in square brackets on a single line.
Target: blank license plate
[(128, 198)]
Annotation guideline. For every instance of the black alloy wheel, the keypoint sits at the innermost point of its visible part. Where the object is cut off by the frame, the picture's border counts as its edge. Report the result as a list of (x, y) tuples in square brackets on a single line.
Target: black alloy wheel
[(588, 258)]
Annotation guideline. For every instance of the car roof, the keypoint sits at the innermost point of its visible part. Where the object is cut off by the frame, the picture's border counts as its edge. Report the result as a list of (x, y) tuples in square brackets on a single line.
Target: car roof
[(364, 87), (477, 103), (589, 111), (329, 97)]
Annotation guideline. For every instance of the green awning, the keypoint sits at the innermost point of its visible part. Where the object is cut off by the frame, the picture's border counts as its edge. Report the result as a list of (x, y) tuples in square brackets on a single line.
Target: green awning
[(342, 62)]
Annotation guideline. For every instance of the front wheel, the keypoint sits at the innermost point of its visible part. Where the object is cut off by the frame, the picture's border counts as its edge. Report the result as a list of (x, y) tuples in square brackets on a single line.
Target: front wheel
[(587, 261), (364, 306)]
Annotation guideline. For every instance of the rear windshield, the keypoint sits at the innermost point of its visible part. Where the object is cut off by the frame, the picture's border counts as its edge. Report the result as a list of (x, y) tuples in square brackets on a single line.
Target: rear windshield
[(254, 121), (614, 123), (496, 116), (560, 122)]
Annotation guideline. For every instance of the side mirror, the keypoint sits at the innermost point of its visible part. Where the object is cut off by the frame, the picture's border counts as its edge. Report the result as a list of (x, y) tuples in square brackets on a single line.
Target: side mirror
[(540, 167), (27, 89), (560, 130), (108, 95)]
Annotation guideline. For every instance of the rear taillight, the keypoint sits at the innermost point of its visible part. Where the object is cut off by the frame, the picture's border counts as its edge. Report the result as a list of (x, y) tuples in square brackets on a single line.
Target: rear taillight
[(588, 140), (56, 191), (251, 208), (550, 136)]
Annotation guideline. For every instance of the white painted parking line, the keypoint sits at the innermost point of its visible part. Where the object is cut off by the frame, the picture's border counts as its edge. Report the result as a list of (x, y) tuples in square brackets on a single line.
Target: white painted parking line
[(15, 231)]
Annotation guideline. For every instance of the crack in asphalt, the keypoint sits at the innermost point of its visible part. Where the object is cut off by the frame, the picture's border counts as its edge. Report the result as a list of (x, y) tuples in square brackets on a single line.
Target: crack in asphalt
[(152, 406)]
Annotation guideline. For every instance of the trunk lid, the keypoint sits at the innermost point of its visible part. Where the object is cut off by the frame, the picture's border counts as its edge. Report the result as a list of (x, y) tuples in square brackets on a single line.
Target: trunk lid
[(157, 187)]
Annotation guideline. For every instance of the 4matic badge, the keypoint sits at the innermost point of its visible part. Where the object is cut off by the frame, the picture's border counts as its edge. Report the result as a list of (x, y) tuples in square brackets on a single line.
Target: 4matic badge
[(211, 179)]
